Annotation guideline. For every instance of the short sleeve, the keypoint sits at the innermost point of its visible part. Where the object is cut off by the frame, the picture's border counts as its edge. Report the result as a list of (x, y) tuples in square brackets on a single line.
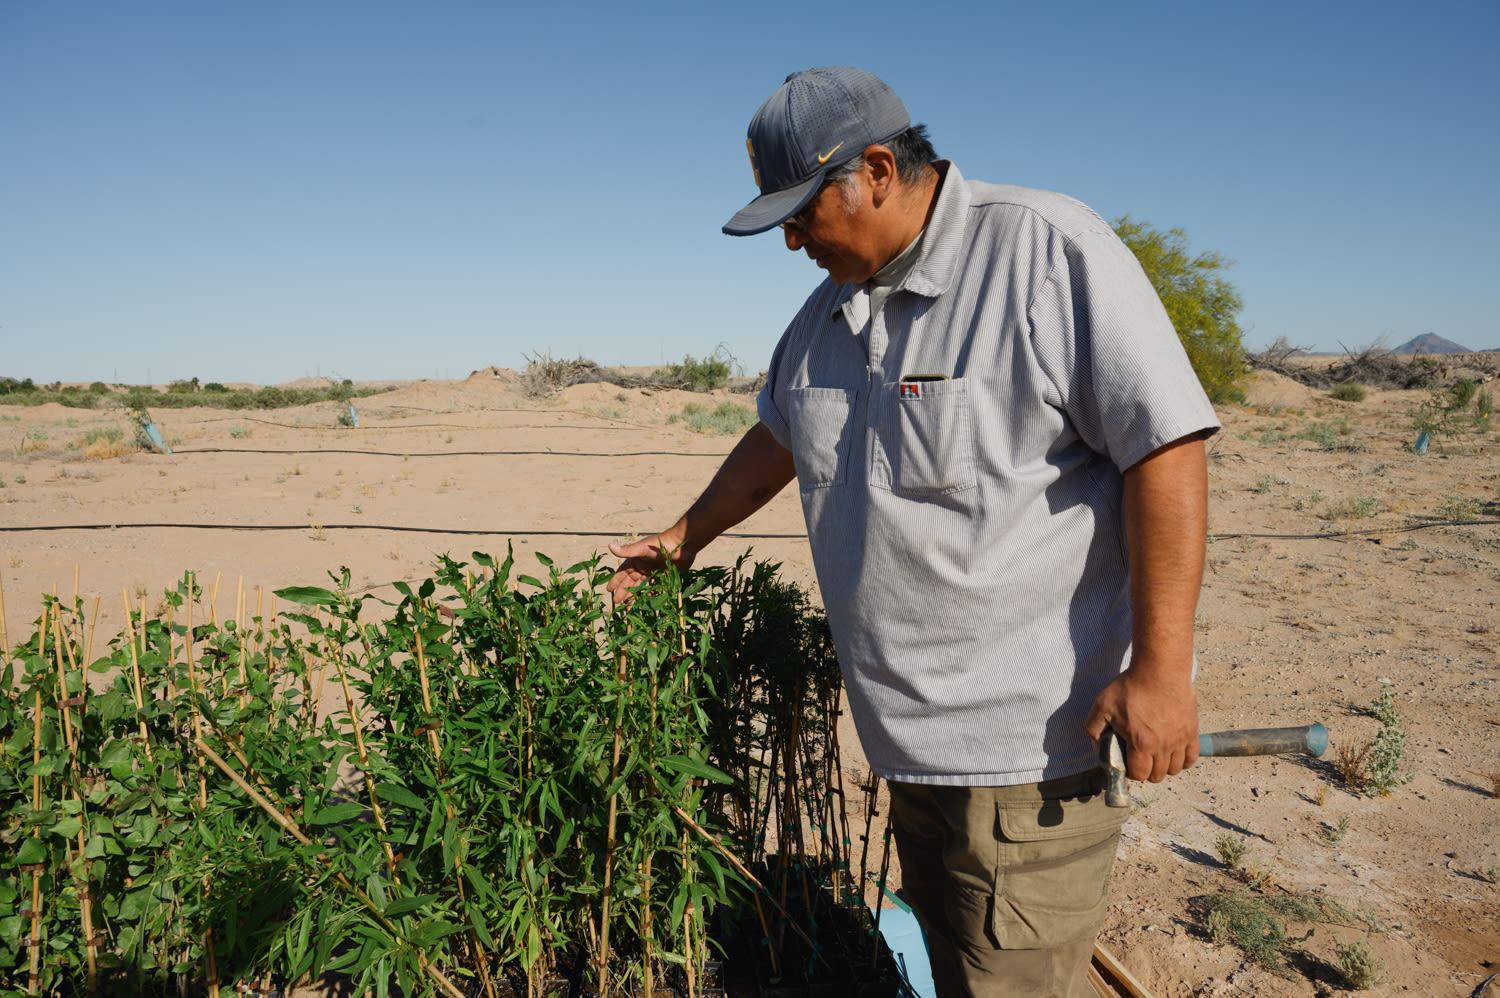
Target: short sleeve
[(1103, 339)]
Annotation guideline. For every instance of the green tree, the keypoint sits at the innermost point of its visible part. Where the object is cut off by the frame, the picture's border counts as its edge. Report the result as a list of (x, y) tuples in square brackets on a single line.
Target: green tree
[(1201, 303)]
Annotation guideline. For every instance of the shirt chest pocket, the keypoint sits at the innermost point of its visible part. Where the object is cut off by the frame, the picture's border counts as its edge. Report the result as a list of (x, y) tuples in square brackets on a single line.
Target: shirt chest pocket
[(822, 429), (927, 436)]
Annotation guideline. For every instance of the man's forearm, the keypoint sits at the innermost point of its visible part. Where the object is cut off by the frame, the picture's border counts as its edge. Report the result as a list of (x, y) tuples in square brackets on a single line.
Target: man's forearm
[(1166, 523), (751, 476)]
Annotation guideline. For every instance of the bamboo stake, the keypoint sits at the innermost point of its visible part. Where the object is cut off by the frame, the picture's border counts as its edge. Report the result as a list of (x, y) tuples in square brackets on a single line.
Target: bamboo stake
[(364, 760), (317, 703), (135, 672), (62, 647), (35, 947), (432, 736), (244, 636), (88, 644), (609, 833), (291, 826), (481, 958), (200, 728), (646, 925), (689, 951), (4, 634), (36, 872), (751, 879), (62, 684)]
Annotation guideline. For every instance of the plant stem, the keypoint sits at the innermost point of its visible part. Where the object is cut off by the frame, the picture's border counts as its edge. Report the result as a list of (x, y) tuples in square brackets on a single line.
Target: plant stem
[(609, 834)]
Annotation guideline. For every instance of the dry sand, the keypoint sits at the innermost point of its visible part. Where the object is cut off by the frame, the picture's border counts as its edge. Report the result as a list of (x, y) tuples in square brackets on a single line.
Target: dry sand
[(1309, 607)]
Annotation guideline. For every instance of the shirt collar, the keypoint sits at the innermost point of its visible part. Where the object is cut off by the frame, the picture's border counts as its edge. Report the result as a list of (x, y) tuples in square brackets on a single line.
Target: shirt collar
[(931, 273)]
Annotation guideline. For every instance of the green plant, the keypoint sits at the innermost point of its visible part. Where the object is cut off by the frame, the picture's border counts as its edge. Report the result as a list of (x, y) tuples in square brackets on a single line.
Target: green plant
[(1484, 410), (239, 432), (726, 417), (20, 479), (1462, 391), (1231, 850), (535, 785), (1458, 507), (698, 375), (1201, 304), (1387, 748), (1353, 508), (1264, 484), (1492, 874), (1257, 923), (1335, 833), (1330, 436), (1357, 961), (1349, 391)]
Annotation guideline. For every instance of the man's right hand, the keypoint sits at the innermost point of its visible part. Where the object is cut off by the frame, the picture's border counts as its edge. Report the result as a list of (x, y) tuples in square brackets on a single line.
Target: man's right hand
[(644, 558), (754, 472)]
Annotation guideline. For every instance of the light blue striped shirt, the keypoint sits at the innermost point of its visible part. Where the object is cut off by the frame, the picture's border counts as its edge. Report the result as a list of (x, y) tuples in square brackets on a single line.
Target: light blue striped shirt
[(959, 460)]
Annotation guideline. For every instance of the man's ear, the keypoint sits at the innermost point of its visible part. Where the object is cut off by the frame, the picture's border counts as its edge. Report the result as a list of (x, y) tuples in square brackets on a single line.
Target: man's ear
[(881, 164)]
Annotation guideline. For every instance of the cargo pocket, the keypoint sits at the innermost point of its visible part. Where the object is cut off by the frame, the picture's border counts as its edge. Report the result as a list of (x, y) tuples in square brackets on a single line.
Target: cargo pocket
[(930, 442), (1052, 886), (822, 427)]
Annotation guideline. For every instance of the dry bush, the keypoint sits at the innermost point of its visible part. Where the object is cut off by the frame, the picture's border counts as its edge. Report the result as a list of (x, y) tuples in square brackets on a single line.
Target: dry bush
[(1353, 765), (544, 376), (1375, 367)]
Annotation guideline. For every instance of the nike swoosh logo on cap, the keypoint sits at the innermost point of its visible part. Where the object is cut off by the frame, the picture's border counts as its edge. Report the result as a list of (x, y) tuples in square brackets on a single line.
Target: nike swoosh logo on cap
[(825, 157)]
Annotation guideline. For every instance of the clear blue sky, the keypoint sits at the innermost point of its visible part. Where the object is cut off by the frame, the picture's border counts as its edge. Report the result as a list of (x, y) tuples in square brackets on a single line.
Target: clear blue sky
[(261, 191)]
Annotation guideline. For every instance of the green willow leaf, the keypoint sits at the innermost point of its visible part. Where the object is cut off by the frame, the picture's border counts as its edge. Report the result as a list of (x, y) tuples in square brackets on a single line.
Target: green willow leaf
[(308, 595)]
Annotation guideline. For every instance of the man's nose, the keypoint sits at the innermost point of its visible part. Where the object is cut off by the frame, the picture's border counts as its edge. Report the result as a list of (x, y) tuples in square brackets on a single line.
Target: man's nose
[(795, 237)]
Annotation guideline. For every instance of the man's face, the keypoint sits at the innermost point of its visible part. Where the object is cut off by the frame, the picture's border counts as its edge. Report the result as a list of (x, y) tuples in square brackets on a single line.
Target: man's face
[(834, 229)]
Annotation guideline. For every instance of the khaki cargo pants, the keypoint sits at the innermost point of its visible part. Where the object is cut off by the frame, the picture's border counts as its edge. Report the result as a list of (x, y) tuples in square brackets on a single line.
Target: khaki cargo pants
[(1009, 884)]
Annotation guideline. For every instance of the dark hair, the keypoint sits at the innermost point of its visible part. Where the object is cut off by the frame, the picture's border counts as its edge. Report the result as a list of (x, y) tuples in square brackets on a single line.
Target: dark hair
[(912, 149)]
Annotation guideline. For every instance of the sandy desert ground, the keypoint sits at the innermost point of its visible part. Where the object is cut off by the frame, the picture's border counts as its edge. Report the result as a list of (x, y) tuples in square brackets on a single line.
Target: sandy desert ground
[(1335, 568)]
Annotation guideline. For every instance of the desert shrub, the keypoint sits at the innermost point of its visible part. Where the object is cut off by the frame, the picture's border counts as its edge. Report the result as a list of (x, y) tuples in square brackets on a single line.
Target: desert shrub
[(1231, 850), (727, 417), (98, 388), (214, 386), (1200, 302), (1461, 392), (1329, 436), (1457, 507), (1349, 392), (1387, 748), (1353, 508), (1484, 410), (544, 376), (697, 375), (1357, 961), (1257, 923)]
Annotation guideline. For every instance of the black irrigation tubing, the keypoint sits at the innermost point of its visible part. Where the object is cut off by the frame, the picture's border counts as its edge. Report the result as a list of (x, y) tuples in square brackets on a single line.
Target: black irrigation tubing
[(1355, 533), (358, 526), (446, 453), (446, 426), (9, 529)]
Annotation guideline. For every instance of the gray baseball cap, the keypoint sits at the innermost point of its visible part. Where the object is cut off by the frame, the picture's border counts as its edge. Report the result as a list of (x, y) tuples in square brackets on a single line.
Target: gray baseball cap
[(817, 120)]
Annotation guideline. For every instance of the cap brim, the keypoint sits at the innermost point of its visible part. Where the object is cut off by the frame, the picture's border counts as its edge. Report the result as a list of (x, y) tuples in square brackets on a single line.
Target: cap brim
[(770, 210)]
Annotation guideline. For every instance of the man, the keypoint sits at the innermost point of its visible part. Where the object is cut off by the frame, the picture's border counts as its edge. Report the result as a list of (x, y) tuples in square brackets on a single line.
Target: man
[(998, 442)]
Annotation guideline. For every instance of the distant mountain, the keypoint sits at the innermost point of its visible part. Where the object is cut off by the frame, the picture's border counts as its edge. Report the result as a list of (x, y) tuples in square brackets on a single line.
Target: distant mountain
[(1430, 343)]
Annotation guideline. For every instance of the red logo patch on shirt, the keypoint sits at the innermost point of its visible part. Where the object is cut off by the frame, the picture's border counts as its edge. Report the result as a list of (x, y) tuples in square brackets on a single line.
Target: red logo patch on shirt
[(911, 390)]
